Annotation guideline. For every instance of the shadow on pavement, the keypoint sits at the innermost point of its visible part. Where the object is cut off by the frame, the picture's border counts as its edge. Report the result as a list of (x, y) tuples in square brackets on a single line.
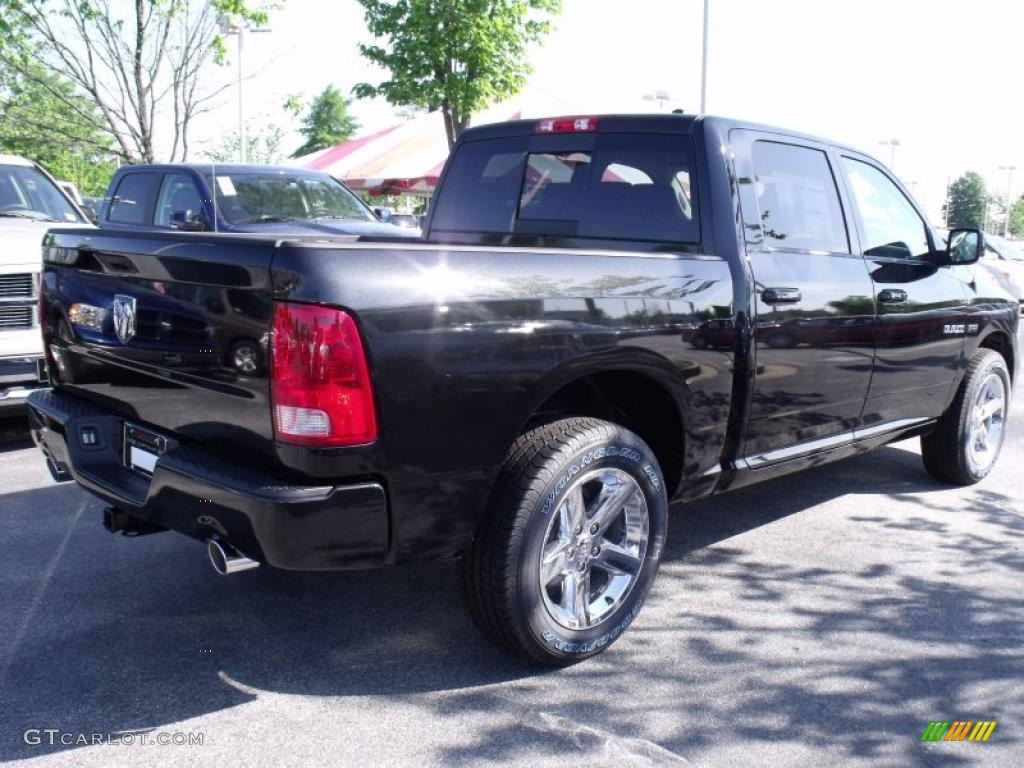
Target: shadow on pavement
[(14, 432), (108, 634)]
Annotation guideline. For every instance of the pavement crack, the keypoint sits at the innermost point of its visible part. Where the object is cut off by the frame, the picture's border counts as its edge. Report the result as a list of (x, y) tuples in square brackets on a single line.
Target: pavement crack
[(37, 599), (607, 747)]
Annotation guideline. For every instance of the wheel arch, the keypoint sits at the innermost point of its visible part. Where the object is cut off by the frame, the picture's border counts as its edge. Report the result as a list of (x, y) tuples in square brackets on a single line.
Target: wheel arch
[(640, 391), (999, 341)]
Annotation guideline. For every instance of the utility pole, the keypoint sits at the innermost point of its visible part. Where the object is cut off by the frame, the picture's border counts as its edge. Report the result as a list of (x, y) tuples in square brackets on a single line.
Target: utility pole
[(704, 63), (1009, 204)]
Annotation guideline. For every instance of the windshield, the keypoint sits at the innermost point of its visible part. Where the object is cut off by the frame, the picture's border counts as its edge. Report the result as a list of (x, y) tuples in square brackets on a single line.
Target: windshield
[(252, 198), (1005, 248), (26, 193)]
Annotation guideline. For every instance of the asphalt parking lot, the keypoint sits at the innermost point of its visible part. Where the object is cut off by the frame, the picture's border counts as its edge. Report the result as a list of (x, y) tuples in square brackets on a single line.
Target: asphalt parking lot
[(821, 619)]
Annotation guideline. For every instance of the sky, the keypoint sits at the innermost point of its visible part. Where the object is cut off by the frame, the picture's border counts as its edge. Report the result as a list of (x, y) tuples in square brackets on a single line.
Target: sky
[(942, 78)]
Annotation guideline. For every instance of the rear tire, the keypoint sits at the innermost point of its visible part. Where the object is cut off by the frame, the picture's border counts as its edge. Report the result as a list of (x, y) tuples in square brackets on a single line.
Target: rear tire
[(570, 543), (966, 443)]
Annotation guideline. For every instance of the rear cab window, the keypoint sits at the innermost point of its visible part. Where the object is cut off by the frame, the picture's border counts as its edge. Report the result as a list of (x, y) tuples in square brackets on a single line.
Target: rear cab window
[(617, 186)]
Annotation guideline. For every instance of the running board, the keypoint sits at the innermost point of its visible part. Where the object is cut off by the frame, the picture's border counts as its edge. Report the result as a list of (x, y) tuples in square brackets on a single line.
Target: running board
[(826, 443)]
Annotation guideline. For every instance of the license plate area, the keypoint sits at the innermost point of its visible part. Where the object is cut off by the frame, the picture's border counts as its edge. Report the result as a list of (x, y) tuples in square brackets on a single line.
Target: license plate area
[(142, 447)]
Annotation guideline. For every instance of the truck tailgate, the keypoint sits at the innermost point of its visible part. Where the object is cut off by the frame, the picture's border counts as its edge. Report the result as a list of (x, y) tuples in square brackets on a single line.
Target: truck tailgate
[(168, 330)]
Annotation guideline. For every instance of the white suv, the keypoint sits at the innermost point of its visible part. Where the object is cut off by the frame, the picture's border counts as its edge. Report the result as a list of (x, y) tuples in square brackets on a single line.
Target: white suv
[(30, 203)]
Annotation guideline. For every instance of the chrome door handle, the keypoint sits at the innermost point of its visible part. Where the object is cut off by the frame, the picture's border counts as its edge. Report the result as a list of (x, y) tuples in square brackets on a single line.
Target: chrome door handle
[(892, 296), (781, 295)]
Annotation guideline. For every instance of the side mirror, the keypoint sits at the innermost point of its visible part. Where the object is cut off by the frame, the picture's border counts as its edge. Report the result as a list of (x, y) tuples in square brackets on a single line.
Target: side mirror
[(965, 246), (90, 214), (185, 221), (383, 212)]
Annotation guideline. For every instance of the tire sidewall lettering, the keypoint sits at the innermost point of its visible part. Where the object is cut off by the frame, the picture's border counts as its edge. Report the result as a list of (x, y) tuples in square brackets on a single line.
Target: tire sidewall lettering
[(595, 454)]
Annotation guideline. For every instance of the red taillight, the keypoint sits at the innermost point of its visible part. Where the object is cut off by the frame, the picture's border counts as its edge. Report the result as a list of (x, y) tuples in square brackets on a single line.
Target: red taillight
[(319, 382), (567, 125)]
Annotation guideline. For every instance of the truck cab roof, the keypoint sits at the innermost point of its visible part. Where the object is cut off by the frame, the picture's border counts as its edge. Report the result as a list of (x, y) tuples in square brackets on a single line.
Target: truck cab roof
[(234, 168), (682, 124)]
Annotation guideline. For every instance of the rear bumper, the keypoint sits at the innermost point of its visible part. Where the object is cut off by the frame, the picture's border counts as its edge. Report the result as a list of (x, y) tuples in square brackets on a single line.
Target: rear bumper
[(200, 493)]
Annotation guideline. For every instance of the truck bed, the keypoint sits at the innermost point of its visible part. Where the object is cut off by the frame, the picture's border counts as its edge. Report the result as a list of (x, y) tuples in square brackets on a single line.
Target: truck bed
[(455, 337)]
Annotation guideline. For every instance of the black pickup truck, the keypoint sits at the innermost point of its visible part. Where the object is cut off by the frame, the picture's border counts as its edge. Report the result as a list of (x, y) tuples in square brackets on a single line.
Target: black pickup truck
[(605, 314)]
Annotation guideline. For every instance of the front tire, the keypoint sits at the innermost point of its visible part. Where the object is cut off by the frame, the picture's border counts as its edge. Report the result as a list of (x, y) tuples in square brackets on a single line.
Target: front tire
[(570, 542), (965, 445)]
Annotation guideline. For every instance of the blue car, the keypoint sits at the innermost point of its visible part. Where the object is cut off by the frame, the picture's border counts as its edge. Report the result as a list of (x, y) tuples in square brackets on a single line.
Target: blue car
[(238, 199)]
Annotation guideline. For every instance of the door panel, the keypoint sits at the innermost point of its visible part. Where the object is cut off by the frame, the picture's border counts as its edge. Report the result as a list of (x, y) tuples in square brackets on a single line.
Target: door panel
[(813, 357), (814, 311), (919, 341), (921, 307)]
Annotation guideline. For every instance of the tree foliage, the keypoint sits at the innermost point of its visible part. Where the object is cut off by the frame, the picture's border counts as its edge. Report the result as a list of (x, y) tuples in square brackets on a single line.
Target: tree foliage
[(967, 200), (40, 118), (327, 123), (1017, 218), (454, 55), (143, 65)]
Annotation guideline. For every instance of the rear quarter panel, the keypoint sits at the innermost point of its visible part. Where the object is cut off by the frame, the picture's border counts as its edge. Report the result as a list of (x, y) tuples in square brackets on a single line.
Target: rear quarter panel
[(464, 343)]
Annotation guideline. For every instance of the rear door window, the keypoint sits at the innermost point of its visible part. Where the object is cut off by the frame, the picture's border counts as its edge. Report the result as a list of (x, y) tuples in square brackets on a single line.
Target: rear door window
[(797, 197), (627, 187), (133, 199)]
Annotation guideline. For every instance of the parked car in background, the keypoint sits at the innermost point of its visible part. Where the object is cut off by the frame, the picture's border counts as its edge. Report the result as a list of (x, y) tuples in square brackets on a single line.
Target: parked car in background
[(405, 220), (31, 201), (71, 190), (94, 207), (238, 199), (1006, 260)]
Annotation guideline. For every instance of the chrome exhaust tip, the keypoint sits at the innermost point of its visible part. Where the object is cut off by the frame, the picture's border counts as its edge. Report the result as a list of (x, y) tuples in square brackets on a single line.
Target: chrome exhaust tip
[(226, 560), (59, 472)]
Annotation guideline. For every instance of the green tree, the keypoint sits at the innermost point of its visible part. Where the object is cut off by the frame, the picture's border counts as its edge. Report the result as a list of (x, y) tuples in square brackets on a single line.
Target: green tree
[(454, 55), (44, 119), (967, 201), (327, 123), (144, 65), (1017, 218)]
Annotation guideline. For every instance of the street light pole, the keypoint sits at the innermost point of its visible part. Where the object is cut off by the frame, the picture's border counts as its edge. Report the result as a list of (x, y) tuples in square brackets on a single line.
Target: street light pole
[(243, 140), (661, 97), (704, 63), (1009, 204), (234, 26)]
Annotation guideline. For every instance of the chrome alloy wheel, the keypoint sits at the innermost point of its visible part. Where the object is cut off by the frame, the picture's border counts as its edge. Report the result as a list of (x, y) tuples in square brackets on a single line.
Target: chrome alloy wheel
[(987, 422), (594, 548), (246, 358)]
